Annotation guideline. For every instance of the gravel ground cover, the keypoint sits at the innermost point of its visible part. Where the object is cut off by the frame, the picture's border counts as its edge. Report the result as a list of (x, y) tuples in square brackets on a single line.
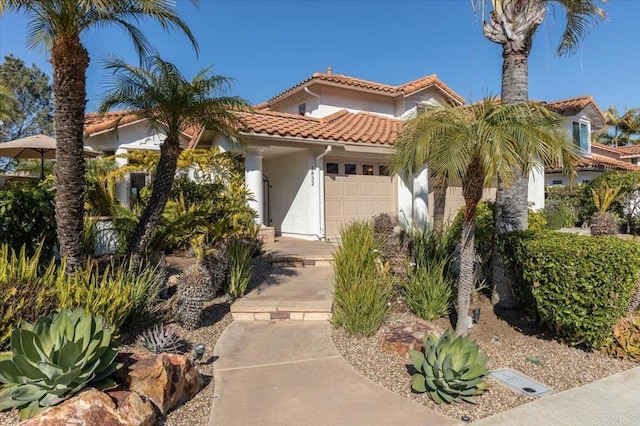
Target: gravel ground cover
[(508, 339)]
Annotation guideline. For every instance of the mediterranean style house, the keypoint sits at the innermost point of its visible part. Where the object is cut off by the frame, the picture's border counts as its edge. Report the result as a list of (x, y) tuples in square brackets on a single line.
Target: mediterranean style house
[(317, 154)]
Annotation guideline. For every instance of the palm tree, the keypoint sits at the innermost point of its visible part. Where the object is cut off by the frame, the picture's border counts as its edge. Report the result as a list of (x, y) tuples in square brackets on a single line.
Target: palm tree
[(159, 92), (624, 126), (59, 25), (512, 24), (473, 146)]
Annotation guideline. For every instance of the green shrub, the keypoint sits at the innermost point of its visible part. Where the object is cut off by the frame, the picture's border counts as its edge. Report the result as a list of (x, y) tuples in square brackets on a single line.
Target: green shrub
[(429, 245), (119, 293), (578, 286), (240, 268), (451, 367), (363, 286), (55, 358), (574, 210), (27, 217), (27, 290), (429, 289), (559, 215)]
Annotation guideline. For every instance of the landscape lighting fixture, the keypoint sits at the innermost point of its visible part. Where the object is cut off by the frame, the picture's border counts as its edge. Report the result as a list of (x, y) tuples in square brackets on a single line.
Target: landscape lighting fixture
[(199, 351), (476, 315)]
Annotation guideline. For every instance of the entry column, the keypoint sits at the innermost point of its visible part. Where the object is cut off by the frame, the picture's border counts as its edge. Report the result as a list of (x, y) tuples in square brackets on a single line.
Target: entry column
[(253, 179)]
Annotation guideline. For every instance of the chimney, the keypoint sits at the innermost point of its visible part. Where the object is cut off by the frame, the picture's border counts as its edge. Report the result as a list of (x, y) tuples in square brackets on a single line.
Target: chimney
[(329, 70)]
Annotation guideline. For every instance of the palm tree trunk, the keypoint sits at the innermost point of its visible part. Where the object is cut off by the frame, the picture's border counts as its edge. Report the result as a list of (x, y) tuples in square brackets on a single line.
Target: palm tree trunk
[(440, 186), (70, 61), (466, 277), (511, 203), (162, 183)]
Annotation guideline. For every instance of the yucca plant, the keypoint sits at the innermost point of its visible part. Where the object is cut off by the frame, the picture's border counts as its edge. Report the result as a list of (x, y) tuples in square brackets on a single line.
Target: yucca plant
[(603, 222), (449, 368), (118, 293), (27, 288), (55, 358), (429, 290), (240, 268), (161, 339)]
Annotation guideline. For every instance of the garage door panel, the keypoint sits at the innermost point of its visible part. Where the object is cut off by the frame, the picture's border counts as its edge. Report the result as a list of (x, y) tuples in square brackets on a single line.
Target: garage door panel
[(354, 197)]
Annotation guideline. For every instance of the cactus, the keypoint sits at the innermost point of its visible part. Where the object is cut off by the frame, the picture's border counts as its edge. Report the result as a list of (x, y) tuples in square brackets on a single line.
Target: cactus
[(55, 358), (161, 339), (194, 290), (450, 368)]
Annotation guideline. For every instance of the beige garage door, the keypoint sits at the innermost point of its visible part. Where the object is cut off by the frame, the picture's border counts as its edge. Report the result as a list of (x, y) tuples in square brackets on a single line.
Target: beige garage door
[(350, 197)]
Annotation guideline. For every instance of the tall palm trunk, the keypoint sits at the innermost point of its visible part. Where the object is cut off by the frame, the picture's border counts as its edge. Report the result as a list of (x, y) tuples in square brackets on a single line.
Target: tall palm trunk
[(162, 183), (513, 24), (472, 186), (440, 186), (70, 61)]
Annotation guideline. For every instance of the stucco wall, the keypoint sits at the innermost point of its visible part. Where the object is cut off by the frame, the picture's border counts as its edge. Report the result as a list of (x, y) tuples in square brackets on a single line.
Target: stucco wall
[(580, 178), (293, 201)]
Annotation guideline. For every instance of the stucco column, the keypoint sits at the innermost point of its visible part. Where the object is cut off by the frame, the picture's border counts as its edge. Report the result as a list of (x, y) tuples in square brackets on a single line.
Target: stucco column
[(253, 179), (421, 197), (536, 188), (123, 187)]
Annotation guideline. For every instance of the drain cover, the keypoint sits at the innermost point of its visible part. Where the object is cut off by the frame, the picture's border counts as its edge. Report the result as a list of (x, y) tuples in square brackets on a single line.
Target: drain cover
[(520, 382)]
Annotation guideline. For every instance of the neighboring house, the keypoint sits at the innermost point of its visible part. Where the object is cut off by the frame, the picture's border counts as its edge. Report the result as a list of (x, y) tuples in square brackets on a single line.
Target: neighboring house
[(584, 117)]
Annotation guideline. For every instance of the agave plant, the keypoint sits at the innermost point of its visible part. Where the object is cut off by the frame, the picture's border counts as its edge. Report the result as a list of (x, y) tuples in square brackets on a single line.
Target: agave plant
[(161, 339), (55, 358), (450, 368)]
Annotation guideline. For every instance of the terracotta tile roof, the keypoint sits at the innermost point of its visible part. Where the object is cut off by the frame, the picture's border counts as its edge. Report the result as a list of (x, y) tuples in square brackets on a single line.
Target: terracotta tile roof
[(609, 148), (573, 106), (600, 162), (95, 123), (340, 126), (343, 80), (628, 150)]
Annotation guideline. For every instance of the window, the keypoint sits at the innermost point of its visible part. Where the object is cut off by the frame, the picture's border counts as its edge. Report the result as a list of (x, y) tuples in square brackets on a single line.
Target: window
[(556, 182), (581, 135), (349, 169), (367, 169), (302, 109), (383, 170), (420, 109), (332, 168), (138, 181), (634, 161)]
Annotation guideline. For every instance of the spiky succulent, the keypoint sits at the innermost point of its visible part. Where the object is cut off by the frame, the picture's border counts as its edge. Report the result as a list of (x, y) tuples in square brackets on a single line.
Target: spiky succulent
[(161, 339), (55, 358), (450, 368), (194, 290)]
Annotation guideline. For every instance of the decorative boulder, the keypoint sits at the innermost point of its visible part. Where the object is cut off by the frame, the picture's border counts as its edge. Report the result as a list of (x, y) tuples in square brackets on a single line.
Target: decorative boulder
[(167, 380), (94, 408), (399, 339)]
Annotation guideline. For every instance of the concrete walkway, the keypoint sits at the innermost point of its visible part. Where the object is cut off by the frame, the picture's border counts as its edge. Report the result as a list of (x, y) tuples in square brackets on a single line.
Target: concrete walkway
[(613, 400), (289, 373)]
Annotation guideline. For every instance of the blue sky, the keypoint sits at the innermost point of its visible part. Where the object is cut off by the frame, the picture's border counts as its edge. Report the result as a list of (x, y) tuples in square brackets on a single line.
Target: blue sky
[(269, 46)]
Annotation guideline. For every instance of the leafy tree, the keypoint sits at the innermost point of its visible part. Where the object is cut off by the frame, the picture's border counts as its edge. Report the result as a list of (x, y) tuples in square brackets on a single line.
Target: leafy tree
[(59, 25), (472, 146), (33, 109), (159, 92), (512, 24)]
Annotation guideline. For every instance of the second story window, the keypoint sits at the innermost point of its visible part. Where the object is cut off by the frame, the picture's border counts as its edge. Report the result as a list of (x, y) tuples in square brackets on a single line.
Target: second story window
[(581, 135), (302, 109)]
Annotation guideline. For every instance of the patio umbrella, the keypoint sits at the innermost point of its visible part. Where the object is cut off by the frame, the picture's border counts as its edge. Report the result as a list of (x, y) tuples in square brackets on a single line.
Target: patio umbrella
[(38, 146)]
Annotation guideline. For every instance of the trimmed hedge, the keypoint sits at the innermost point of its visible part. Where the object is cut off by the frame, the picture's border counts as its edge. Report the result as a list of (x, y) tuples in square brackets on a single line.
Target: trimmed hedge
[(578, 286)]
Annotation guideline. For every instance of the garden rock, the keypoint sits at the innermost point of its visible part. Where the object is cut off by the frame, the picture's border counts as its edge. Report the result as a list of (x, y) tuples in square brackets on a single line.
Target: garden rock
[(400, 339), (94, 408), (167, 380)]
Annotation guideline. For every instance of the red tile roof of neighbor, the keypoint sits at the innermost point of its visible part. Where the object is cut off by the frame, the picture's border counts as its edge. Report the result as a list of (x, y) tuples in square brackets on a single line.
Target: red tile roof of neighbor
[(628, 150), (384, 89), (573, 106), (600, 162), (342, 125)]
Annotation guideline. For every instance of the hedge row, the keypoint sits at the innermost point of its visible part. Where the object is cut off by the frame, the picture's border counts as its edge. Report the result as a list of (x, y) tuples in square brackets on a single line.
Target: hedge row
[(578, 286)]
